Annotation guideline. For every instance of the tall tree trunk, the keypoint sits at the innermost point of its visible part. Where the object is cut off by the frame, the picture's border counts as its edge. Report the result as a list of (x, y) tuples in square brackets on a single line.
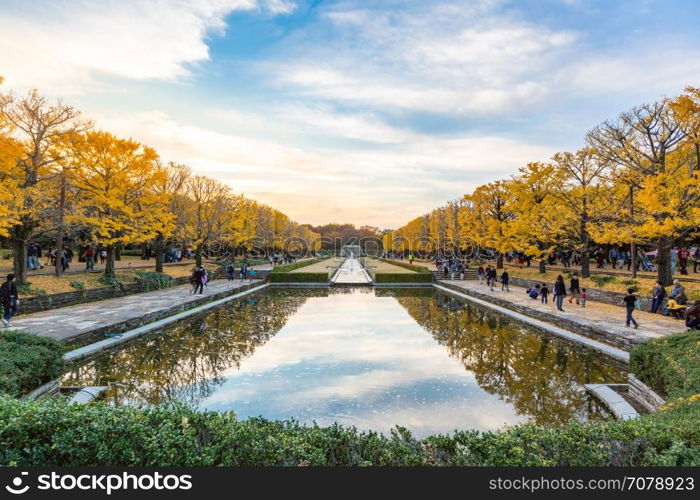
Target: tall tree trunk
[(159, 251), (543, 266), (499, 261), (19, 248), (585, 264), (633, 245), (109, 265), (58, 268), (118, 251), (198, 255), (663, 260)]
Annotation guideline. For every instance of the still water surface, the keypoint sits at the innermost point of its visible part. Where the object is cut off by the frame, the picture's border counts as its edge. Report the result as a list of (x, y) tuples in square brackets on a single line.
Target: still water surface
[(372, 358)]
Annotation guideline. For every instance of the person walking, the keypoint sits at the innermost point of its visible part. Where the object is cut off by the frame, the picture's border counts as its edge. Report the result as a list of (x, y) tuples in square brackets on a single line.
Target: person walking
[(630, 301), (491, 276), (453, 270), (683, 256), (559, 292), (199, 280), (544, 292), (89, 258), (658, 295), (575, 289), (504, 281), (696, 259), (410, 260), (481, 274), (230, 271), (9, 298), (584, 297)]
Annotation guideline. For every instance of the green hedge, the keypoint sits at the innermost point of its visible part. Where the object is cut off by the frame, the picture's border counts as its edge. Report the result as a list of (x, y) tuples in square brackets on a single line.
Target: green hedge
[(55, 433), (299, 277), (153, 280), (285, 268), (27, 361), (669, 365), (417, 269), (402, 278)]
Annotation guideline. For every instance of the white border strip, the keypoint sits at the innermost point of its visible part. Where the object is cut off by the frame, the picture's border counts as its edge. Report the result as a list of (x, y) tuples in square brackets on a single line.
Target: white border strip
[(108, 343), (555, 330)]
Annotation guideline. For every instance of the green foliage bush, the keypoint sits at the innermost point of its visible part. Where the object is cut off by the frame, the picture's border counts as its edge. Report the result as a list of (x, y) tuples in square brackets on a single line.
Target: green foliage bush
[(55, 433), (78, 285), (298, 277), (285, 268), (602, 280), (150, 280), (111, 280), (27, 361), (402, 278), (669, 365)]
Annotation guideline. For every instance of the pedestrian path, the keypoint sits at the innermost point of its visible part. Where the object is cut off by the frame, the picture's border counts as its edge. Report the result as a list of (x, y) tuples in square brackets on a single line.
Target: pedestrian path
[(596, 314), (74, 321), (351, 272)]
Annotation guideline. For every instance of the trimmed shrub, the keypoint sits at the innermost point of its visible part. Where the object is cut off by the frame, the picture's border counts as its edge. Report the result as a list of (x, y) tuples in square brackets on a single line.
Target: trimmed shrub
[(298, 277), (669, 365), (153, 280), (55, 433), (402, 278), (27, 361)]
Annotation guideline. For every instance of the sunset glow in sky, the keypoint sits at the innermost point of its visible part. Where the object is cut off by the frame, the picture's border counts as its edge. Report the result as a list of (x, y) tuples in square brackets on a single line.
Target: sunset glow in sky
[(370, 112)]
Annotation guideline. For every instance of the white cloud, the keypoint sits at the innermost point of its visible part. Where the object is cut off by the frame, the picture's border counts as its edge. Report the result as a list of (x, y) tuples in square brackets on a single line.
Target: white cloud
[(382, 186), (64, 46), (440, 58)]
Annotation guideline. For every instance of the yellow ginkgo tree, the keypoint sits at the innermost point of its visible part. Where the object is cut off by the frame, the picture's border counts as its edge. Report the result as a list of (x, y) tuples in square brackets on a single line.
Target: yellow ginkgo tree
[(118, 200)]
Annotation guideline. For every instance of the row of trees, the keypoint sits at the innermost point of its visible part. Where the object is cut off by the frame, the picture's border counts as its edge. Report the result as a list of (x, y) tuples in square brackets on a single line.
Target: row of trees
[(62, 178), (635, 181)]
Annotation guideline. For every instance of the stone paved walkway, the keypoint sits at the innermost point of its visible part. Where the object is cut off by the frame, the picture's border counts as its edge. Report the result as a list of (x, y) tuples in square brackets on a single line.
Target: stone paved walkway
[(351, 273), (72, 321), (604, 316)]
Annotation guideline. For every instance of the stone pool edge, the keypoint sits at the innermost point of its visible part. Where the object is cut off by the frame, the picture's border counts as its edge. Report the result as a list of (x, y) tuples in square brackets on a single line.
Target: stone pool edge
[(613, 352), (94, 348)]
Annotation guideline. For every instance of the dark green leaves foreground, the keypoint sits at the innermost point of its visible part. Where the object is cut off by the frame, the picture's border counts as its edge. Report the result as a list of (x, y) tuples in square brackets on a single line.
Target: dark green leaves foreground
[(27, 361), (54, 433)]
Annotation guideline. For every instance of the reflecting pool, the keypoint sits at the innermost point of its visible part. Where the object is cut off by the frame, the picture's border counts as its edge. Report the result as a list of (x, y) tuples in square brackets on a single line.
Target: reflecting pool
[(371, 358)]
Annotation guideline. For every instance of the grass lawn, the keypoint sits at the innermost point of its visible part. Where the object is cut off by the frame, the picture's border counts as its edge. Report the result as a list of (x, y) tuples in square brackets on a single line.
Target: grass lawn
[(327, 265), (59, 284), (378, 266)]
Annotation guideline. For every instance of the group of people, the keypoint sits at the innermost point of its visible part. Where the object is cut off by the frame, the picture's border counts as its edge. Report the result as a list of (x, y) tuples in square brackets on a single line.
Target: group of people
[(560, 292), (449, 266), (245, 272), (277, 259)]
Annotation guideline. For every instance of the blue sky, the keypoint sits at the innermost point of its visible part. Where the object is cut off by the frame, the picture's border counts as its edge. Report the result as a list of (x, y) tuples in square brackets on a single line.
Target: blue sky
[(371, 112)]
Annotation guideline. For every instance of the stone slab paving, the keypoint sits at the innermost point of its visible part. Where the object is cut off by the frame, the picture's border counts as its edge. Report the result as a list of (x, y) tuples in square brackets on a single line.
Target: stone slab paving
[(73, 321), (351, 273), (603, 316)]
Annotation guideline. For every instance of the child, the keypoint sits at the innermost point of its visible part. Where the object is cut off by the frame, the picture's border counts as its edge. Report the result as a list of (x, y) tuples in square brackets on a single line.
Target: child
[(544, 291), (533, 293), (584, 296), (251, 274), (229, 272)]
